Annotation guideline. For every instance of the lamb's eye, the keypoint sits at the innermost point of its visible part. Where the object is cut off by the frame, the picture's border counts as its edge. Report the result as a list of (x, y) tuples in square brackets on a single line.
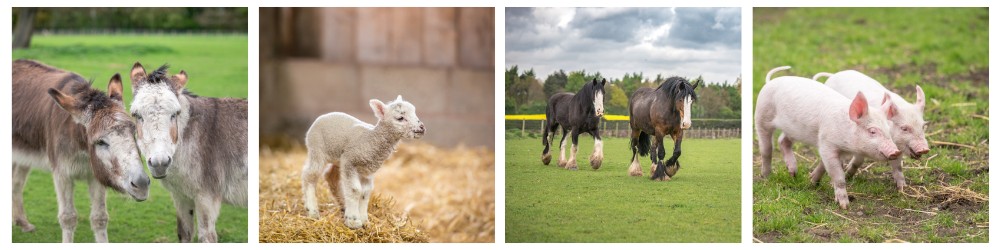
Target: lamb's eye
[(400, 118), (100, 143)]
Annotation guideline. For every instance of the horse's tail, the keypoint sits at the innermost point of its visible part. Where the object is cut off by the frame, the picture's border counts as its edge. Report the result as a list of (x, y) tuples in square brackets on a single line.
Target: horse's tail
[(769, 73), (643, 142), (821, 74)]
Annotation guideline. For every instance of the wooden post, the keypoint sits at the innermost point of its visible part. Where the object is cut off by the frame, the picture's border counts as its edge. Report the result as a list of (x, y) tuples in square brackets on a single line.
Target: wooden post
[(522, 127)]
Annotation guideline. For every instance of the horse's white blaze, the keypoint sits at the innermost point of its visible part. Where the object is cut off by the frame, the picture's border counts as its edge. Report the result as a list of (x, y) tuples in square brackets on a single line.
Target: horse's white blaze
[(686, 120), (157, 105), (599, 103)]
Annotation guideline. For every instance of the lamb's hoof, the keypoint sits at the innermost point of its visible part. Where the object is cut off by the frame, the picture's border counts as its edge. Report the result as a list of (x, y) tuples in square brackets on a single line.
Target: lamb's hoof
[(595, 161), (314, 214), (546, 158), (353, 222)]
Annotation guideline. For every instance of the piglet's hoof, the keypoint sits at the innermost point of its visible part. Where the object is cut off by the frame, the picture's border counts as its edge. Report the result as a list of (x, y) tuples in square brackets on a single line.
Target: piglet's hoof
[(546, 158)]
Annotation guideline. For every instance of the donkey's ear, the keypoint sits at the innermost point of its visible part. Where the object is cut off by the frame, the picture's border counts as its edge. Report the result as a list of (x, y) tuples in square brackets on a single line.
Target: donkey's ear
[(180, 80), (66, 102), (115, 87), (137, 73), (378, 108)]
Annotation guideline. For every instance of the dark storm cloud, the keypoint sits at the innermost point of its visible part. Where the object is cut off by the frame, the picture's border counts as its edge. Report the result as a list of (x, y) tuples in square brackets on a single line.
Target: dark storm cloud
[(704, 27), (619, 25)]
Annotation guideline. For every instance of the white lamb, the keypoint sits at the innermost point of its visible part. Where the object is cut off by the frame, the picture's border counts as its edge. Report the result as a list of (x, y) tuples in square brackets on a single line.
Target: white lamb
[(348, 151)]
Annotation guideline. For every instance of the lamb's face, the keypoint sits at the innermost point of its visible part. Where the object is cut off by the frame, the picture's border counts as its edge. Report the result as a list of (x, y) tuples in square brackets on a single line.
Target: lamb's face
[(402, 115)]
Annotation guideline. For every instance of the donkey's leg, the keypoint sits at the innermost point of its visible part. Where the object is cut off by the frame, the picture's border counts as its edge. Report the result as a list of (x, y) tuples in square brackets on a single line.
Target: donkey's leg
[(562, 149), (635, 169), (350, 186), (367, 184), (598, 156), (333, 180), (67, 212), (207, 209), (310, 176), (785, 144), (184, 207), (20, 177), (765, 145), (571, 164), (98, 211), (897, 173)]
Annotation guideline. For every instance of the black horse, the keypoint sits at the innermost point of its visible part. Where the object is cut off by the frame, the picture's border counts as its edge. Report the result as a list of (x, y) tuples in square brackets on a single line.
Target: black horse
[(579, 113), (663, 111)]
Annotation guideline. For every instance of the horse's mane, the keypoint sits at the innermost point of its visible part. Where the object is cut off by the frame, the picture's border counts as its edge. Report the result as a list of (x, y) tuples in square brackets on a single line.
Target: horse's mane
[(672, 87)]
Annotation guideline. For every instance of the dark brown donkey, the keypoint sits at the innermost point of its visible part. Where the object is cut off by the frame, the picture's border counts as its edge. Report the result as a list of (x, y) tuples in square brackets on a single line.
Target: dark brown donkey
[(63, 125)]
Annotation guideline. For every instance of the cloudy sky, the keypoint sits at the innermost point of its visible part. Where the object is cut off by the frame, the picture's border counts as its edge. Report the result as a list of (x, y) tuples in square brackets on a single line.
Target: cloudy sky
[(670, 41)]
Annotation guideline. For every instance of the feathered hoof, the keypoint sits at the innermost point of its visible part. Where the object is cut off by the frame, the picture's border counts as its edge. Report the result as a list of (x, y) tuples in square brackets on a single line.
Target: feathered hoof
[(595, 161), (635, 170), (562, 163), (571, 165), (546, 158), (664, 178), (672, 170)]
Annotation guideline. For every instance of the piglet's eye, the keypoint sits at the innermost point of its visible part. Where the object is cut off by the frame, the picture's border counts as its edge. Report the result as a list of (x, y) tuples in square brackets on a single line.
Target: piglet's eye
[(872, 131)]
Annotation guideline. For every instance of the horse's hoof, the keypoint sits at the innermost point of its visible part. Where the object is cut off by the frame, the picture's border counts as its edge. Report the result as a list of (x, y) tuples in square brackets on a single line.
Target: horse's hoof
[(562, 164), (595, 162), (672, 170), (663, 178), (546, 158), (634, 172), (571, 166)]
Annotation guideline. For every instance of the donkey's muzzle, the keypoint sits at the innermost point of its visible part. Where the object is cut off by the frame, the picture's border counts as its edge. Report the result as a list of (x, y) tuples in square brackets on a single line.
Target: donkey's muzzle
[(158, 167)]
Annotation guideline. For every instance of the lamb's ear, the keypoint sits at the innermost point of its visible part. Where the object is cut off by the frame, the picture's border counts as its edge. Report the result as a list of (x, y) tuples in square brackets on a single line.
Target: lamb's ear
[(859, 107), (399, 98), (180, 80), (378, 108), (66, 102), (137, 73), (920, 99), (115, 87)]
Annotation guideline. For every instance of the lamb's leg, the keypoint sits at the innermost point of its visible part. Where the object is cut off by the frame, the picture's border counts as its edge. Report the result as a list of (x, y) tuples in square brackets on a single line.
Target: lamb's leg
[(897, 173), (350, 186), (20, 177), (310, 176), (184, 207), (67, 212), (98, 211), (207, 208), (367, 184), (788, 152), (333, 180), (562, 150)]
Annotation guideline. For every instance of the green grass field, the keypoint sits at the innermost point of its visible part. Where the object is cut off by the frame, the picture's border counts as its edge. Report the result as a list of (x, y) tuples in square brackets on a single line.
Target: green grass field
[(945, 51), (550, 204), (216, 66)]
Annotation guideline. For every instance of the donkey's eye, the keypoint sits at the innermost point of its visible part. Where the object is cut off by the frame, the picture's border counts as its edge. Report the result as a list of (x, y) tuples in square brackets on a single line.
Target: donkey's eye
[(137, 116), (174, 115), (100, 143)]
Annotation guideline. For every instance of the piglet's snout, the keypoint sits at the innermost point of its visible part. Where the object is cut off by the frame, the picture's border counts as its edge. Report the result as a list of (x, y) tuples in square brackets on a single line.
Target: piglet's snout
[(890, 152), (920, 148)]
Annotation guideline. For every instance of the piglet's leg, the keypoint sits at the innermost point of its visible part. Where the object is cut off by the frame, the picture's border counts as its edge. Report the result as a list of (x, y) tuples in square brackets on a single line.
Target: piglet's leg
[(854, 165), (788, 152), (832, 164), (764, 142), (897, 173)]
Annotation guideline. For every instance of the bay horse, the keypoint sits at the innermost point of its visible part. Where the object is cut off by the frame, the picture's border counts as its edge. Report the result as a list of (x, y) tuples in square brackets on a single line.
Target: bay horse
[(659, 112), (63, 125), (197, 147), (578, 113)]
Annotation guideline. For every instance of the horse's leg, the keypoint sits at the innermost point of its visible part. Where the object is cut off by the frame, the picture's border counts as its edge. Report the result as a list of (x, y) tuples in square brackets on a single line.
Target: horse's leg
[(635, 169), (674, 163), (661, 172), (310, 176), (64, 194), (571, 164), (786, 150), (20, 177), (98, 211), (207, 211), (652, 155), (562, 149), (897, 173), (546, 155), (765, 145), (598, 156), (184, 206)]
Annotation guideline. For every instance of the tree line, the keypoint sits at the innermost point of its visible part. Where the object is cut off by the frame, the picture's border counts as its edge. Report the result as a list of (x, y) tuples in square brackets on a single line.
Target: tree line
[(136, 19), (527, 94)]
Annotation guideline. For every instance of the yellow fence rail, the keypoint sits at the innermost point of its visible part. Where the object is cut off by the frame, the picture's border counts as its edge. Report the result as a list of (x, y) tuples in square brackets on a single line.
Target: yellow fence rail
[(616, 126), (541, 117)]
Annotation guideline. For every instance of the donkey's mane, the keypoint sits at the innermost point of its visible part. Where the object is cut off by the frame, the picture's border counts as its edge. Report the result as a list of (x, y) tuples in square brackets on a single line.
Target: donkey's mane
[(159, 75), (672, 87), (94, 98)]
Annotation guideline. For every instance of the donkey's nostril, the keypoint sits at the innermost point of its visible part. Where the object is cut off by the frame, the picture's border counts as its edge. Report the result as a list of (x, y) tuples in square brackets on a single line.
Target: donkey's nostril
[(133, 185), (167, 163)]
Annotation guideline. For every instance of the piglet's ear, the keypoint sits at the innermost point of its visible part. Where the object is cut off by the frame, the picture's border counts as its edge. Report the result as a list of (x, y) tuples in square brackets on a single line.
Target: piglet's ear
[(920, 99), (890, 109), (885, 98), (378, 108), (859, 107)]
